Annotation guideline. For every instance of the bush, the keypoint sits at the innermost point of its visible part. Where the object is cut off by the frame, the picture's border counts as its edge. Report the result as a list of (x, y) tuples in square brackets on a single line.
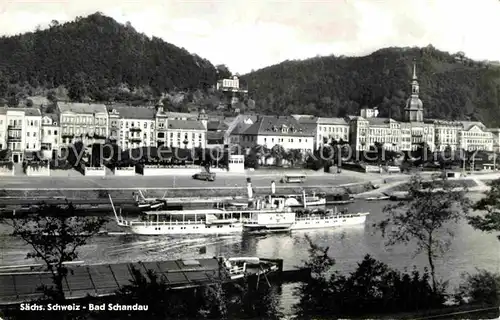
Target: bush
[(482, 288)]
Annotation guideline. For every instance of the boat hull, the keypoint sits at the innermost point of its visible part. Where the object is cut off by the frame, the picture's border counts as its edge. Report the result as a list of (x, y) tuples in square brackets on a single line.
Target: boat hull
[(327, 222), (339, 202), (182, 229), (316, 203), (253, 228)]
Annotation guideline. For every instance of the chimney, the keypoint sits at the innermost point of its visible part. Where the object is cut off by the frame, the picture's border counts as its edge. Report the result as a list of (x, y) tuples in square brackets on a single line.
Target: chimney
[(273, 187), (304, 198), (249, 189)]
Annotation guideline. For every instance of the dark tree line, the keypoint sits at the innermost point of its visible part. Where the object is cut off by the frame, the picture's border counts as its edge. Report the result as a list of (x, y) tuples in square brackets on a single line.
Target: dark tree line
[(337, 86), (96, 57)]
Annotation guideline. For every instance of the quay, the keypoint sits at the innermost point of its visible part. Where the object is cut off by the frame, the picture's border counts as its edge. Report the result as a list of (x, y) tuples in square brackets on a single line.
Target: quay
[(19, 283)]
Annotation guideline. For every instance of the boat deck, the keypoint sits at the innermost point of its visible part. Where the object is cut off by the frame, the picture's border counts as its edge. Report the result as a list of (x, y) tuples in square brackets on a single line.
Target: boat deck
[(103, 280)]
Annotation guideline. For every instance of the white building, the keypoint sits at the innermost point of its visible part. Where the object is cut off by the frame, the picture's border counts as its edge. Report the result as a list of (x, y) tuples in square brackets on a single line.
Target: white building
[(132, 127), (87, 122), (186, 134), (51, 135), (285, 131), (475, 136), (21, 131)]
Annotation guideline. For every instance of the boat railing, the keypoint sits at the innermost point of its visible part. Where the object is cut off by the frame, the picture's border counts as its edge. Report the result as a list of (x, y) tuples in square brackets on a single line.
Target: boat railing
[(234, 269), (164, 223)]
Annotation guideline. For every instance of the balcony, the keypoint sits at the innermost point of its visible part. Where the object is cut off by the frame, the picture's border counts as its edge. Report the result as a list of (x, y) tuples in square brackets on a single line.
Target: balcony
[(15, 127), (134, 140), (135, 129), (11, 138)]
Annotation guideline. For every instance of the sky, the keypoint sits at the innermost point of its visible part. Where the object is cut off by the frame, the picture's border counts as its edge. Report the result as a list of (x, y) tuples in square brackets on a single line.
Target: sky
[(248, 35)]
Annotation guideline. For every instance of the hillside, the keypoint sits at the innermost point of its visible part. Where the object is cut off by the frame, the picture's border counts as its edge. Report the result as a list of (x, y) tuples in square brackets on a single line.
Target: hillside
[(451, 86), (97, 58)]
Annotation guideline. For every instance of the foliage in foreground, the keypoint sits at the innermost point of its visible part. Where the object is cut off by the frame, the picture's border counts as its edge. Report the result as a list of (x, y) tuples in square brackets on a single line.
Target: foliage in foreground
[(54, 234), (480, 288), (373, 288), (426, 218)]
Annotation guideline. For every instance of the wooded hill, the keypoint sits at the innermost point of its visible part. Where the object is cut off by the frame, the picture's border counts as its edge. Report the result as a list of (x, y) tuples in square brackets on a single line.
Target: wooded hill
[(451, 85), (98, 58)]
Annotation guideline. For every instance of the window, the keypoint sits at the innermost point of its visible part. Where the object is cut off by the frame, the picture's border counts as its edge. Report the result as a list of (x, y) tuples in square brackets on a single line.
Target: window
[(55, 132), (27, 134), (145, 125)]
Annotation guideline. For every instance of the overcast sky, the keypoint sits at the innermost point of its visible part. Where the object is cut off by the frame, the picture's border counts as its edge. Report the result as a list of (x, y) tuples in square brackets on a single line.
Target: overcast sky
[(252, 34)]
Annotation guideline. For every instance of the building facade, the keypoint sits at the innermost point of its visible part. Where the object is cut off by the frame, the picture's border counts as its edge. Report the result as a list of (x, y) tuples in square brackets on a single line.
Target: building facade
[(86, 122), (286, 131), (132, 127), (51, 135)]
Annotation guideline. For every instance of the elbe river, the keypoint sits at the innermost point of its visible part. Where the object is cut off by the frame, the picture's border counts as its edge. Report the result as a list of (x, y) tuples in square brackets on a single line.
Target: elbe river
[(469, 250)]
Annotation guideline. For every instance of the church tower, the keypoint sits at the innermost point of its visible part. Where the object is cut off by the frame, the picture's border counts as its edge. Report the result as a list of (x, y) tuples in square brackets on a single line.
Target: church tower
[(414, 110)]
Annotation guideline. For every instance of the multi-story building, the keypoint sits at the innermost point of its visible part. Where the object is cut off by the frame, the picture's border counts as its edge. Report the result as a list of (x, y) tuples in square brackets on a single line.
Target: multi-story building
[(285, 131), (51, 135), (475, 136), (186, 134), (495, 134), (3, 128), (132, 127), (447, 134), (87, 122), (239, 125), (21, 131)]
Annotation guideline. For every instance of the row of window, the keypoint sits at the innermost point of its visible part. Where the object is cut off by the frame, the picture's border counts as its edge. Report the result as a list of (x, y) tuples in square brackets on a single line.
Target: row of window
[(84, 120), (161, 135)]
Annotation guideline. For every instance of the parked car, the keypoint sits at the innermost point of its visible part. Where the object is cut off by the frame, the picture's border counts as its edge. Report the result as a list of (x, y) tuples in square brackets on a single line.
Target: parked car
[(207, 176)]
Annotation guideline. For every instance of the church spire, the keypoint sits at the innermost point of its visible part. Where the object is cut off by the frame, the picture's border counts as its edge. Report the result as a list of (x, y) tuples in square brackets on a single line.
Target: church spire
[(414, 82), (414, 70)]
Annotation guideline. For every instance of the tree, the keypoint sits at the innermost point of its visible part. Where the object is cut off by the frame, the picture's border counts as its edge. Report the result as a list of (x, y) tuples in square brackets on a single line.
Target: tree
[(278, 153), (315, 295), (151, 290), (78, 87), (223, 72), (490, 203), (55, 233), (424, 219), (482, 287)]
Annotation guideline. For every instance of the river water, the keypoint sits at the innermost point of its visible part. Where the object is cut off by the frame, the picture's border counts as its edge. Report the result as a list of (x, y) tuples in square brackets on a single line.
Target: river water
[(469, 250)]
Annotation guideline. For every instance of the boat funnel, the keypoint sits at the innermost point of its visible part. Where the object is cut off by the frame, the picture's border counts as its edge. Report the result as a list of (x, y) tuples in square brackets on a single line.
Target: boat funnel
[(249, 188), (273, 187), (304, 198)]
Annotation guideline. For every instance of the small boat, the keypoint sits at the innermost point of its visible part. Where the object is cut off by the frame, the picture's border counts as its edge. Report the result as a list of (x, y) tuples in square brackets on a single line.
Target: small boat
[(328, 219), (335, 199), (148, 203), (378, 198)]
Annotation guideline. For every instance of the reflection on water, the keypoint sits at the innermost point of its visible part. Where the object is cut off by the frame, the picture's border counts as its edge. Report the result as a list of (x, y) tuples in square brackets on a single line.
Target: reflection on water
[(470, 249)]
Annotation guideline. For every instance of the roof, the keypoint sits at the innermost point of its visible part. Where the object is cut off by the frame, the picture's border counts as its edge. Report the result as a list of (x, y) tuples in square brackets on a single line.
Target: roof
[(185, 125), (86, 108), (241, 128), (274, 125), (30, 112), (108, 278), (214, 135), (129, 112), (52, 116), (215, 125), (339, 121), (178, 115), (469, 124), (379, 121), (305, 118)]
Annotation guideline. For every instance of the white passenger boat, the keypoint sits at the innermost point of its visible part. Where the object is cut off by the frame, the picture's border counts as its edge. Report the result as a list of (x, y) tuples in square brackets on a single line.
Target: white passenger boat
[(328, 219)]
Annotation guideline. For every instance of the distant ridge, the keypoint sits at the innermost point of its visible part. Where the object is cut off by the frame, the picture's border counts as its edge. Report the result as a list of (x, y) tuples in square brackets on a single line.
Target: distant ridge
[(451, 85)]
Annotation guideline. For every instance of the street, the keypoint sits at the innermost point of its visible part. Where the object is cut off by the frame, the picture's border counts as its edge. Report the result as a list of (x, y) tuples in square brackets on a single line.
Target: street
[(141, 182)]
